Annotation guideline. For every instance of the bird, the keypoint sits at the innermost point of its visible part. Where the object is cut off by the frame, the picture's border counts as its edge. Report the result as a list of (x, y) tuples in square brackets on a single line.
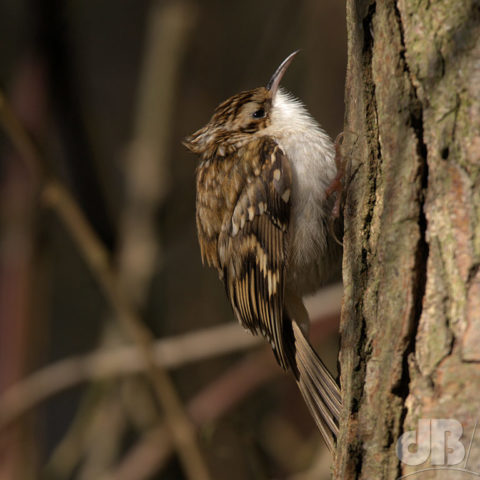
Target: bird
[(263, 216)]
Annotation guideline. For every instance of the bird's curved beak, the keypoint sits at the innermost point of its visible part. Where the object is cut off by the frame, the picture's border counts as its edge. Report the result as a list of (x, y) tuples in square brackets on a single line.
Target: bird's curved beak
[(274, 82)]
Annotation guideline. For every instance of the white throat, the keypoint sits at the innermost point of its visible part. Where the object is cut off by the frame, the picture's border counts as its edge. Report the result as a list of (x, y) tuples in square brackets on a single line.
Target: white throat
[(305, 143)]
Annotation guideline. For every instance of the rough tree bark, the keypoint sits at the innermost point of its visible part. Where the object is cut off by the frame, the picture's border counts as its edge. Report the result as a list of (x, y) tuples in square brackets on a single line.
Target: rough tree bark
[(411, 315)]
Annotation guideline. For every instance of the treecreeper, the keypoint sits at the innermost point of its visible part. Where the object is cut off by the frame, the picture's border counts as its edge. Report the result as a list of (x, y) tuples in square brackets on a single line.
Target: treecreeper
[(263, 218)]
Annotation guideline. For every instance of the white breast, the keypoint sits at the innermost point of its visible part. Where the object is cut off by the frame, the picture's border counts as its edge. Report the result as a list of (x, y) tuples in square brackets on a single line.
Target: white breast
[(311, 155)]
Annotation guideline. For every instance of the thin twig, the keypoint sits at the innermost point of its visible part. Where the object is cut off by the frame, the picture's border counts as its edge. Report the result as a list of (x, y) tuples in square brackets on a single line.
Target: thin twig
[(171, 352), (61, 201)]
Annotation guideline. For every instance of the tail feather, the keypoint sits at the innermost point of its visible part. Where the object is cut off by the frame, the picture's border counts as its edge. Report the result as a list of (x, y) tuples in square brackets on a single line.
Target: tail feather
[(319, 390), (318, 416)]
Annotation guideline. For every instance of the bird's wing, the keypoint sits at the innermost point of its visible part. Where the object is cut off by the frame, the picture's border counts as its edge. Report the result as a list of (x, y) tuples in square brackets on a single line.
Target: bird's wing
[(252, 249)]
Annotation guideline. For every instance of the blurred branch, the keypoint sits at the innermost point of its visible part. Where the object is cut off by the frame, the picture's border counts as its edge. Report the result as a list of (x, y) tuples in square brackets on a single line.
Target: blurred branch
[(98, 405), (145, 458), (147, 175), (146, 164), (20, 264), (58, 198), (214, 401), (97, 449), (20, 139), (146, 179), (168, 353), (95, 254)]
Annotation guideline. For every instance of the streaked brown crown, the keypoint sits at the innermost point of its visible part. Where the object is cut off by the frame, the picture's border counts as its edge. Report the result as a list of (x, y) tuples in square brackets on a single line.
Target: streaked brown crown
[(233, 122)]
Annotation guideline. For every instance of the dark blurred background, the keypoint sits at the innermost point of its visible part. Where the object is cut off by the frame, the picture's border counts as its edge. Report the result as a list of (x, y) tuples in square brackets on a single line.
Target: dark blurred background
[(107, 90)]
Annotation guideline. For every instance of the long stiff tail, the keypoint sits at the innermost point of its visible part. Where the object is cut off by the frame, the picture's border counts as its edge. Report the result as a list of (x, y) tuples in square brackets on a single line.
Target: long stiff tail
[(319, 389)]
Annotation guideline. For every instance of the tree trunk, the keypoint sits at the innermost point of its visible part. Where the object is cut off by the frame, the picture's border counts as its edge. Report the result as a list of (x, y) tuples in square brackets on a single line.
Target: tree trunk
[(410, 348)]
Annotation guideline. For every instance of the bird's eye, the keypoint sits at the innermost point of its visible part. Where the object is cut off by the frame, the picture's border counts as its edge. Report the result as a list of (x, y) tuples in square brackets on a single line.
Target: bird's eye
[(259, 113)]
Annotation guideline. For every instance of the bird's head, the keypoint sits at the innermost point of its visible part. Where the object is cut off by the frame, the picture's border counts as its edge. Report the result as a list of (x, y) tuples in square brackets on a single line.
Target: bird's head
[(237, 118)]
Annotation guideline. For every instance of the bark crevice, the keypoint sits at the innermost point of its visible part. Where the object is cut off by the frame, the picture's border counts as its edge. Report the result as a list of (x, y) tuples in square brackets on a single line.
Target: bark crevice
[(418, 287)]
